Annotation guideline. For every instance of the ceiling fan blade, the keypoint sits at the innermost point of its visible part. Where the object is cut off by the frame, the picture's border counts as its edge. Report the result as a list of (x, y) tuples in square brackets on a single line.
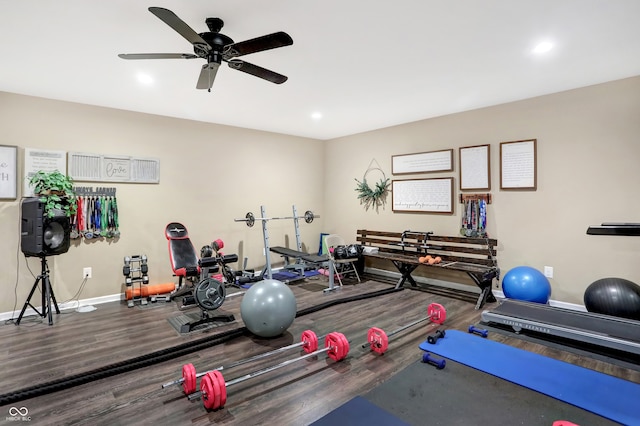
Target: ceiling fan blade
[(172, 20), (157, 56), (258, 44), (257, 71), (207, 75)]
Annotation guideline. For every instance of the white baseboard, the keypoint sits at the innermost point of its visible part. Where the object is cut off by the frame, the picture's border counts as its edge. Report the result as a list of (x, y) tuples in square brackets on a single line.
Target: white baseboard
[(74, 304), (463, 287)]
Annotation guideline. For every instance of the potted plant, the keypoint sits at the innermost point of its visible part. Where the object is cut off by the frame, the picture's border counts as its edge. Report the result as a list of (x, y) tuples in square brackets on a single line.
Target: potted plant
[(55, 191)]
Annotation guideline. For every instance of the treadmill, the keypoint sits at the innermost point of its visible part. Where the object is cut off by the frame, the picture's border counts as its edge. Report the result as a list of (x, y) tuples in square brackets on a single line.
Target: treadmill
[(597, 329), (601, 330)]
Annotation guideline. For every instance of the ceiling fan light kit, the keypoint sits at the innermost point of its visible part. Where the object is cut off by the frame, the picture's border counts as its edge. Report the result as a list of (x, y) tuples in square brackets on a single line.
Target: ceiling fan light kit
[(216, 48)]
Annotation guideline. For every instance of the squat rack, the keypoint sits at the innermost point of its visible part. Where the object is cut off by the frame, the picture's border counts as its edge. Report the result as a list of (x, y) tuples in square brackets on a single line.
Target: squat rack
[(249, 219)]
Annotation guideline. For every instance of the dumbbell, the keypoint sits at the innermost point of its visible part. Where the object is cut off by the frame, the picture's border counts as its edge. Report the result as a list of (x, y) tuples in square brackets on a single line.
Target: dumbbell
[(308, 341), (378, 340), (479, 331), (213, 387), (434, 337), (438, 363)]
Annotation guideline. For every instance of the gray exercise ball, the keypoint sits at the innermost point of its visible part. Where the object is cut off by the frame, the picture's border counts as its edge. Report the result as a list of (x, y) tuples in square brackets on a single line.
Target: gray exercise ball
[(268, 308)]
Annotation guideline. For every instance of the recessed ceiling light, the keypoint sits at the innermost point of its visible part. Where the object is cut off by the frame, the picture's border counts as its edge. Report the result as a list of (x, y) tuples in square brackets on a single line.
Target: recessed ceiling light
[(316, 115), (543, 47), (145, 79)]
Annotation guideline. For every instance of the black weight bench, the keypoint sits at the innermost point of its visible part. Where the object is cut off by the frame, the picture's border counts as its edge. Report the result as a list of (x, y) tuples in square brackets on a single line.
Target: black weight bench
[(289, 254)]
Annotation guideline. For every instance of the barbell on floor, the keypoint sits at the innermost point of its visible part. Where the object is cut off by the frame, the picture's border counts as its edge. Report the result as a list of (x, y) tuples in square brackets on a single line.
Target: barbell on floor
[(250, 218), (378, 340), (308, 341), (213, 387)]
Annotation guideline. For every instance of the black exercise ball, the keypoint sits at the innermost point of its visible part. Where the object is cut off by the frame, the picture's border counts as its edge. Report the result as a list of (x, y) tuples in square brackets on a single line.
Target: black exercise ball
[(613, 296)]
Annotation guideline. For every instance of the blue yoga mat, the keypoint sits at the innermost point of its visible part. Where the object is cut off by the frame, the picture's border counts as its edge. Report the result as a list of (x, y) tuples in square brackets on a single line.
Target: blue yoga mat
[(608, 396)]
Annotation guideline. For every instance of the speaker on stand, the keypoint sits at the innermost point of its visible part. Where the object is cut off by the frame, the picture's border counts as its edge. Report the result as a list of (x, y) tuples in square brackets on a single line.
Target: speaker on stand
[(43, 236)]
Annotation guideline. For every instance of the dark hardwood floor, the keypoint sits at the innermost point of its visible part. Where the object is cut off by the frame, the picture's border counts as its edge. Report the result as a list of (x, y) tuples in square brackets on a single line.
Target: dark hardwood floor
[(34, 353)]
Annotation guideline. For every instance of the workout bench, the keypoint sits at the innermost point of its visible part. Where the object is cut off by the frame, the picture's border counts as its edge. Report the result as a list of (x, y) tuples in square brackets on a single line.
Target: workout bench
[(474, 256), (299, 256)]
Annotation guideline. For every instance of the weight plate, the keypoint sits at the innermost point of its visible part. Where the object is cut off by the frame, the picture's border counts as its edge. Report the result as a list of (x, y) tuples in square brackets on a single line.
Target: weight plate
[(206, 251), (345, 346), (310, 341), (437, 313), (189, 378), (208, 393), (308, 216), (221, 389), (251, 219), (209, 294), (331, 342), (378, 340)]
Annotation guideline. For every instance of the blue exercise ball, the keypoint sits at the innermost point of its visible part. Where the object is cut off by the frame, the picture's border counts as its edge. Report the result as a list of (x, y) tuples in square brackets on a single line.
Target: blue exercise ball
[(268, 308), (613, 296), (527, 284)]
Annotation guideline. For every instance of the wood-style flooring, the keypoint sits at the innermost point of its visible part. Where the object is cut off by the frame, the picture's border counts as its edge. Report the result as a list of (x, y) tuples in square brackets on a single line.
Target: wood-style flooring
[(35, 353)]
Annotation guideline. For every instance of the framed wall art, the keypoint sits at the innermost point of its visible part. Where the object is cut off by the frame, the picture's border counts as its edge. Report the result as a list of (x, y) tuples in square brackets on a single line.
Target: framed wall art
[(423, 195), (518, 165), (422, 162), (8, 172), (475, 167)]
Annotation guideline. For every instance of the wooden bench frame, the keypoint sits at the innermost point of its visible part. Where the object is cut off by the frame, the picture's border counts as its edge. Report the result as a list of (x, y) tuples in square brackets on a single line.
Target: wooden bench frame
[(474, 256)]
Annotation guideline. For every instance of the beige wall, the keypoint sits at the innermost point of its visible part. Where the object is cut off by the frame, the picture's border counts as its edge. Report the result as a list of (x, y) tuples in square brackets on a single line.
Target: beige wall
[(210, 175), (588, 173)]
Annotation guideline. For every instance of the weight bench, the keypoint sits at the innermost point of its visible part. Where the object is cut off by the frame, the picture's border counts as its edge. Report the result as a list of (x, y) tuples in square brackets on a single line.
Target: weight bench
[(289, 254), (183, 257)]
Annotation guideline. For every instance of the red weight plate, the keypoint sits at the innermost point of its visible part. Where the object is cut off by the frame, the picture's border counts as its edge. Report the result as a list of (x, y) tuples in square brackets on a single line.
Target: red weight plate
[(208, 393), (311, 341), (331, 341), (223, 388), (437, 313), (189, 378), (378, 340), (345, 346), (219, 389)]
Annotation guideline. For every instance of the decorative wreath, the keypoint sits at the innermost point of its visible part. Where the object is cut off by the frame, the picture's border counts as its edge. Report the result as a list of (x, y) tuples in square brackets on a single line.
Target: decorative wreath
[(372, 197)]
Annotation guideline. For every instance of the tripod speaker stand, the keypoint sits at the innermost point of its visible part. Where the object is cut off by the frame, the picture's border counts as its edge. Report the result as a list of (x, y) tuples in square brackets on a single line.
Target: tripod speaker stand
[(47, 295)]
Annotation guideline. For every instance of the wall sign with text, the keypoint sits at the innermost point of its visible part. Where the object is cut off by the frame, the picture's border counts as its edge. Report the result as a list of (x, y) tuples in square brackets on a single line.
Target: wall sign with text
[(518, 165), (113, 168), (8, 172)]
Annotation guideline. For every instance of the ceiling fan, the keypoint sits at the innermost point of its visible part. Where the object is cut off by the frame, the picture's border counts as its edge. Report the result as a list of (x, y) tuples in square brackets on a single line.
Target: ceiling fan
[(215, 48)]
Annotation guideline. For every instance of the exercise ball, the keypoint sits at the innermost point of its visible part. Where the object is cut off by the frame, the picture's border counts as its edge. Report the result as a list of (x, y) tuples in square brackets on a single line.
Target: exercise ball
[(268, 308), (527, 284), (613, 296)]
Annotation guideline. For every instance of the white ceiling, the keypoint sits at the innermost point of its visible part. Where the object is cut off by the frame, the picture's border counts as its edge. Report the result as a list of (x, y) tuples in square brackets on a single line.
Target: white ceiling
[(363, 64)]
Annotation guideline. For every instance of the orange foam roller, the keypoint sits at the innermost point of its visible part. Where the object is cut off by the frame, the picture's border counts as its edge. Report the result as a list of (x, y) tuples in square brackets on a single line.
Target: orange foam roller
[(150, 290)]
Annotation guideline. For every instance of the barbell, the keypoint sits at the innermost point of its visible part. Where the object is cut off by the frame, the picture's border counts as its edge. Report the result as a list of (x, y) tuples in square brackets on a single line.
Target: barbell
[(309, 343), (250, 218), (213, 387), (378, 340)]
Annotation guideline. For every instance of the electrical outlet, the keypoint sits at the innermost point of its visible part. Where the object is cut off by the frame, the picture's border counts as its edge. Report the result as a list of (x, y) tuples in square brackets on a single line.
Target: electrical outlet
[(548, 271), (86, 272)]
